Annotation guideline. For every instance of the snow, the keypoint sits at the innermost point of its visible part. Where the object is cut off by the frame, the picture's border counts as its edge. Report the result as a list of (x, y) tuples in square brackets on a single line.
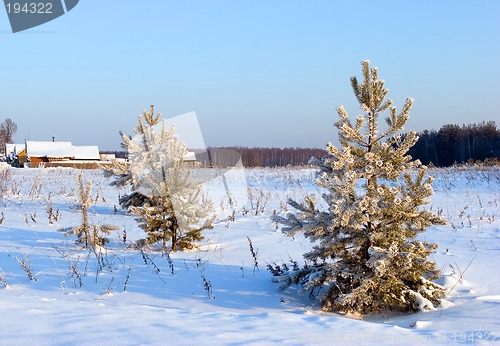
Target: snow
[(16, 149), (218, 295), (62, 150), (85, 152), (190, 156), (48, 149)]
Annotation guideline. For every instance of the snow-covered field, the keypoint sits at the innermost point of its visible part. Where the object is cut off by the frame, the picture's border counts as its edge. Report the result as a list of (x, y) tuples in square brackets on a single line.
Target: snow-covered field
[(52, 293)]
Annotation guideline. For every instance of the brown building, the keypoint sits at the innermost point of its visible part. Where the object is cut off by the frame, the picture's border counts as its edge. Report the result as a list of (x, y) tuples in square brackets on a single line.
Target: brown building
[(37, 152)]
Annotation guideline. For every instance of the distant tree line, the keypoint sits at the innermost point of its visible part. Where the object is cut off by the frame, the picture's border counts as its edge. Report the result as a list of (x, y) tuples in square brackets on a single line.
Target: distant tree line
[(119, 154), (454, 144), (263, 157), (449, 145)]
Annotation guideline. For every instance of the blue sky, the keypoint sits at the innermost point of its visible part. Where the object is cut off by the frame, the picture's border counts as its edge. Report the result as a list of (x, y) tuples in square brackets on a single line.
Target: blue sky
[(257, 73)]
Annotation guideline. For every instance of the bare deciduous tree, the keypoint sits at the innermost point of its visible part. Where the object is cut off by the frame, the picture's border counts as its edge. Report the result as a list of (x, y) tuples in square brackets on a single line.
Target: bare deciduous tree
[(7, 130)]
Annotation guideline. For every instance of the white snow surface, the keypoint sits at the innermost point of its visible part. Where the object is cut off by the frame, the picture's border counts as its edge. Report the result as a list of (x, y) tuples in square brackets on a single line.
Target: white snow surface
[(60, 150), (216, 295), (85, 152), (49, 149)]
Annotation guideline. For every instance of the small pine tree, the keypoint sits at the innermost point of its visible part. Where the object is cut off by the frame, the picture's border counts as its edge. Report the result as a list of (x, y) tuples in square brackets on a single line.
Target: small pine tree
[(366, 256), (87, 233), (167, 199)]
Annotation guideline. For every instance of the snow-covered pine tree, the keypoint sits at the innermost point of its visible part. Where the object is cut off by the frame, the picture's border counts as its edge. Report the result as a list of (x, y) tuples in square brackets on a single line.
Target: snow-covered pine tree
[(123, 175), (366, 255), (172, 206)]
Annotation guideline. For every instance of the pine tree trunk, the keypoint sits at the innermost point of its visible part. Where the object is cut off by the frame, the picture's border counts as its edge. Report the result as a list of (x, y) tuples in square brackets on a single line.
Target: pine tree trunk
[(174, 237), (371, 181)]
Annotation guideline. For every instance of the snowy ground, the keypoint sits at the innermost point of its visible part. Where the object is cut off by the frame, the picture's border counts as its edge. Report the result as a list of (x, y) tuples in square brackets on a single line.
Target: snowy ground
[(217, 295)]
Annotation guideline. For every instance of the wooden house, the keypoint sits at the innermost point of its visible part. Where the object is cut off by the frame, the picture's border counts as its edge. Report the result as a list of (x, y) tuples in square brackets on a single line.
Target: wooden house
[(14, 149), (43, 151), (16, 153), (59, 152), (190, 158)]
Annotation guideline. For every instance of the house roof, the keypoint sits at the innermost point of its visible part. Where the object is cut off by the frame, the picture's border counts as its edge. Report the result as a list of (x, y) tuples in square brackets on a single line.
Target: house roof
[(48, 149), (13, 148), (190, 156), (61, 150), (89, 152)]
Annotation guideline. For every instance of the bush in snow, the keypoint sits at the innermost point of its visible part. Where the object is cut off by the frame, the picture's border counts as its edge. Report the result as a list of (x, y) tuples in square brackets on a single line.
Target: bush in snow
[(5, 178), (169, 202), (88, 234), (366, 256)]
